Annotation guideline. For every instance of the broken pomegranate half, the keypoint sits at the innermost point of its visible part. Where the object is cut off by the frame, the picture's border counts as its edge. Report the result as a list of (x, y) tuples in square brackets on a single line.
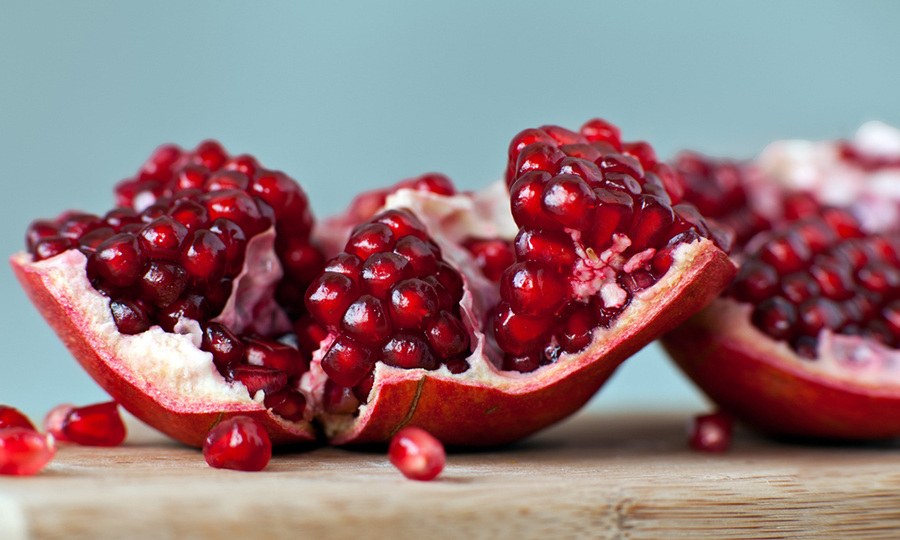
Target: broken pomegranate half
[(805, 341)]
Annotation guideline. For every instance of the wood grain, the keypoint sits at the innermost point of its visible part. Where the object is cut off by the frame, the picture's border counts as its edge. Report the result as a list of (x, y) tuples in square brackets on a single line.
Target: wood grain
[(595, 476)]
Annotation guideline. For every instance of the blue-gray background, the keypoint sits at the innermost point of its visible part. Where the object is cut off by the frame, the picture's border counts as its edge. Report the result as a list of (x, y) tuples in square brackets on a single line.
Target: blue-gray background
[(347, 96)]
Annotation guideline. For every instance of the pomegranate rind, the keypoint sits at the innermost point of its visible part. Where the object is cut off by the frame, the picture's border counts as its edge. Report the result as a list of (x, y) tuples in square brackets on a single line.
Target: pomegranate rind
[(485, 406), (764, 384), (59, 290)]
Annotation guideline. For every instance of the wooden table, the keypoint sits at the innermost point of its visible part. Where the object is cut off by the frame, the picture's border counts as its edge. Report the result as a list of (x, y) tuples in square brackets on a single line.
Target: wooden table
[(594, 476)]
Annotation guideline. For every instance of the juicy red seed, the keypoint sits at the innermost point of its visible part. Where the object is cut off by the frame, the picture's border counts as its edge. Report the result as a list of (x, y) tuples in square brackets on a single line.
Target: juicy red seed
[(776, 317), (120, 259), (23, 451), (533, 288), (366, 320), (711, 432), (263, 351), (362, 390), (12, 417), (798, 287), (337, 399), (218, 296), (90, 241), (53, 422), (95, 425), (642, 151), (239, 207), (162, 282), (520, 334), (552, 247), (636, 281), (598, 130), (328, 298), (581, 151), (346, 264), (309, 333), (154, 211), (191, 305), (235, 244), (436, 183), (886, 249), (223, 179), (159, 165), (287, 200), (524, 363), (418, 253), (879, 278), (209, 154), (755, 282), (447, 335), (410, 350), (451, 281), (614, 213), (51, 246), (584, 169), (842, 223), (835, 283), (663, 259), (688, 216), (444, 299), (520, 141), (652, 221), (457, 365), (417, 454), (785, 254), (226, 348), (348, 362), (300, 260), (381, 271), (526, 196), (238, 443), (625, 183), (119, 217), (670, 181), (619, 163), (576, 322), (256, 378), (538, 156), (563, 136), (493, 255), (370, 239), (411, 303), (191, 214), (570, 200), (204, 258), (401, 222), (818, 314), (38, 230), (77, 225), (189, 177), (287, 404), (129, 317)]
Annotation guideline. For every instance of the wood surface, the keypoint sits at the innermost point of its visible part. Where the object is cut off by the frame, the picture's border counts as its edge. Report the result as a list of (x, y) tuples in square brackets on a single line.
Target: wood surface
[(594, 476)]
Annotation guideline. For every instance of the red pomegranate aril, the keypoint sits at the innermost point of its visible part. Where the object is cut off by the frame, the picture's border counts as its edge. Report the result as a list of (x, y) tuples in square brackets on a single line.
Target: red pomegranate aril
[(451, 280), (120, 217), (370, 239), (652, 222), (493, 255), (90, 241), (223, 180), (642, 151), (300, 259), (281, 193), (619, 163), (520, 334), (95, 425), (524, 363), (163, 238), (346, 264), (23, 451), (257, 378), (636, 281), (533, 288), (598, 130), (217, 296), (209, 154), (570, 200), (563, 136), (129, 317), (239, 207), (191, 305), (412, 303), (538, 156), (226, 348), (239, 444), (663, 259), (191, 214), (362, 390), (447, 335), (417, 454), (119, 259), (818, 314), (162, 282), (879, 278), (288, 404), (457, 365), (401, 222), (348, 362), (615, 212), (329, 296), (755, 282), (776, 317), (338, 399), (38, 230), (51, 246), (526, 137), (687, 217), (161, 163), (419, 254), (436, 183), (12, 417), (263, 351), (885, 249), (366, 320), (445, 300), (204, 258), (799, 287), (309, 333), (584, 169), (625, 183), (410, 350), (235, 242), (835, 282), (53, 422), (581, 151), (785, 254), (711, 432), (842, 223), (381, 271), (526, 201), (577, 322), (77, 225)]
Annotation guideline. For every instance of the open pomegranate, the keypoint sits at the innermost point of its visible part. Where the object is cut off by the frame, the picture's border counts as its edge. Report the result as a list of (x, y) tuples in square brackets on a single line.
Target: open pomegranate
[(479, 317), (805, 341)]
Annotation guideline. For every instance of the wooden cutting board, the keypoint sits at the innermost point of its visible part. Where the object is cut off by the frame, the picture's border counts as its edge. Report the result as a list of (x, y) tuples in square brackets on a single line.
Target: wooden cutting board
[(594, 476)]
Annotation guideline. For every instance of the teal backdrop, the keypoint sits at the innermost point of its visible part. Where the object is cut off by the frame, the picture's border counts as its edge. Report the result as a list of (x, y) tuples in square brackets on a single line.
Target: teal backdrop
[(347, 96)]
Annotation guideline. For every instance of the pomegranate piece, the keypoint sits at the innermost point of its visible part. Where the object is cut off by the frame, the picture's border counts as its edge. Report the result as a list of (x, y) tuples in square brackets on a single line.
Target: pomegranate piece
[(55, 419), (12, 417), (711, 432), (95, 425), (417, 454), (239, 443), (24, 451)]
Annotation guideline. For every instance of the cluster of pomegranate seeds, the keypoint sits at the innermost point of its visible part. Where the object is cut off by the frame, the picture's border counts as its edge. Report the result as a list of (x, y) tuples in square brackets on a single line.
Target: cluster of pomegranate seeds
[(238, 443), (819, 273), (716, 187), (599, 219), (417, 454), (389, 297), (711, 432), (178, 237), (23, 451)]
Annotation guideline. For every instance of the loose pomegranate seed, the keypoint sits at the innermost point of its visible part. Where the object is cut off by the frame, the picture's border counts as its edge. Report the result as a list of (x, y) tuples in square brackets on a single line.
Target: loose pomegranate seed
[(95, 425), (55, 419), (24, 451), (417, 454), (12, 417), (711, 432), (238, 443)]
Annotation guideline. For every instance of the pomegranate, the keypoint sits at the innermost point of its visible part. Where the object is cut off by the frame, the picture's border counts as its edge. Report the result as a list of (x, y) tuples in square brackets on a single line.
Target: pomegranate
[(417, 454), (239, 443), (12, 417), (24, 451), (711, 432), (479, 317), (805, 341)]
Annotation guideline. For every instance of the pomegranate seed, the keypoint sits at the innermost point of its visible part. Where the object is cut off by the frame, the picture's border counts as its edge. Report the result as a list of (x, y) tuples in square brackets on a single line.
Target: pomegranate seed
[(24, 451), (239, 207), (224, 179), (12, 417), (412, 302), (163, 238), (328, 298), (552, 247), (300, 259), (492, 255), (520, 334), (190, 306), (570, 200), (238, 443), (817, 314), (835, 282), (447, 335), (162, 282), (261, 351), (532, 288), (652, 221), (451, 280), (711, 432), (419, 254), (348, 362), (539, 156), (583, 152), (370, 239), (95, 425), (417, 454), (755, 282), (120, 259), (525, 363), (563, 136), (90, 241), (339, 400), (457, 365), (526, 201), (614, 213), (77, 225), (161, 163), (410, 350), (346, 264), (256, 378), (401, 222), (381, 271), (642, 151), (209, 154), (362, 390), (600, 130), (204, 258), (798, 287), (436, 183), (287, 404), (129, 317), (38, 230), (577, 323), (226, 348), (776, 317), (309, 333), (55, 419)]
